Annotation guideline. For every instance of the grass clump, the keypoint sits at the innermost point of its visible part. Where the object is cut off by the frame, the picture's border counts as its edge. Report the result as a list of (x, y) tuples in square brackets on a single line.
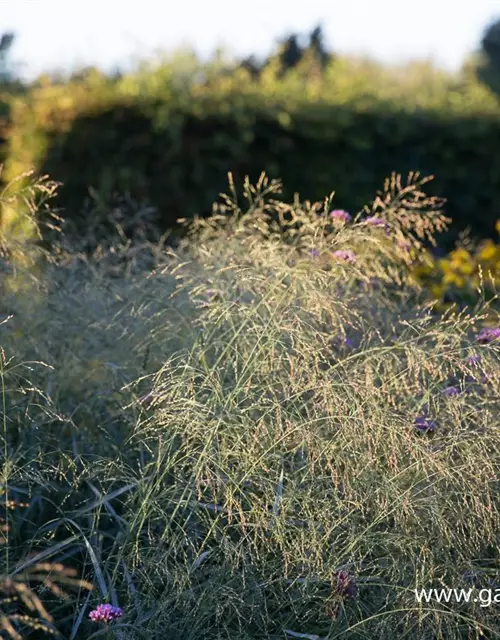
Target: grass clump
[(253, 436)]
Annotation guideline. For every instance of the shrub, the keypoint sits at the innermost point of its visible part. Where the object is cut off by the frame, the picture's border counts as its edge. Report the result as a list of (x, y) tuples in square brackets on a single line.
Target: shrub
[(167, 143)]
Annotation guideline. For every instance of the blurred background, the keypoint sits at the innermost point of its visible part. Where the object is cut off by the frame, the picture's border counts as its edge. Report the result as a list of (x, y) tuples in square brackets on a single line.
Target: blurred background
[(156, 102)]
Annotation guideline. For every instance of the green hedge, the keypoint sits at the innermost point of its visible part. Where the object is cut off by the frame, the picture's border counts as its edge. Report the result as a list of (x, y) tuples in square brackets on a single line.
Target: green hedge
[(4, 126), (173, 147)]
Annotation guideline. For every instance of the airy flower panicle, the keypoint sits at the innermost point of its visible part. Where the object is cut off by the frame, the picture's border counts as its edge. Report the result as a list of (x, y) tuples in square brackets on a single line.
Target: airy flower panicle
[(105, 613)]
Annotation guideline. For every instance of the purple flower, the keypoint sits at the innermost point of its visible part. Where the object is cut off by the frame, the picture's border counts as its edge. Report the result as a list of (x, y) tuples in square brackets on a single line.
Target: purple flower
[(473, 360), (424, 424), (345, 255), (345, 586), (375, 221), (488, 335), (314, 253), (105, 613), (349, 343), (340, 214), (451, 391)]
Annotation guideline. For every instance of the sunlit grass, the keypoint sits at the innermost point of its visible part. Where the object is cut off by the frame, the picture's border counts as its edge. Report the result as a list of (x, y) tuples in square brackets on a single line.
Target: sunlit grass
[(222, 438)]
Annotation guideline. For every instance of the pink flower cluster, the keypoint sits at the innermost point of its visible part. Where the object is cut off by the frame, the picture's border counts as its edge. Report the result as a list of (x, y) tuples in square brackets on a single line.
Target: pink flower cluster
[(488, 335), (105, 613), (346, 255), (340, 214)]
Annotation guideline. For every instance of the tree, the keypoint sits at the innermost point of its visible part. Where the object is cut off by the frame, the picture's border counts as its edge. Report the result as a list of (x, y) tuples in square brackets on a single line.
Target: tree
[(317, 46), (291, 53), (491, 43), (5, 45), (488, 70), (251, 65)]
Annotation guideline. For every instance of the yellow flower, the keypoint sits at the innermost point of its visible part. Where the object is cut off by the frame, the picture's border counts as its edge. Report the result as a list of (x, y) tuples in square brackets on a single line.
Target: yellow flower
[(444, 265), (454, 278), (460, 255), (466, 268), (489, 251)]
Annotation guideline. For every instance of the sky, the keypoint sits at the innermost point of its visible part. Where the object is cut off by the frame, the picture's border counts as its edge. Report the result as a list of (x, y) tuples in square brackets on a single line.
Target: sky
[(68, 34)]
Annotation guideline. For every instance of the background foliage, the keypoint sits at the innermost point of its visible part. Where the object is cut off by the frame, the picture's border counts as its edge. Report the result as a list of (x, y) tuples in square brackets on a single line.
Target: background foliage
[(168, 133)]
